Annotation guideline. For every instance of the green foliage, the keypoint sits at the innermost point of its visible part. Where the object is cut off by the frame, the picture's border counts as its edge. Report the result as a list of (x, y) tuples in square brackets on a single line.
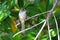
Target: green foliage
[(9, 9)]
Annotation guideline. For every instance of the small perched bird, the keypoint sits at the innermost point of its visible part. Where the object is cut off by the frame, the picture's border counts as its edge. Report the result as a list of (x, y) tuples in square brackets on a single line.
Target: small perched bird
[(22, 17)]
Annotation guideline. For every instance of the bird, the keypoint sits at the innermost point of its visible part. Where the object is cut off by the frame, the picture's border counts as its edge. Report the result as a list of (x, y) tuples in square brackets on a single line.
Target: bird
[(22, 17)]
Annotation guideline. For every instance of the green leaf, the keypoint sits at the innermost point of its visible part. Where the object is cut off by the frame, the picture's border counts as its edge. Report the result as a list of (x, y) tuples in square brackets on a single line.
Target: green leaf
[(3, 15)]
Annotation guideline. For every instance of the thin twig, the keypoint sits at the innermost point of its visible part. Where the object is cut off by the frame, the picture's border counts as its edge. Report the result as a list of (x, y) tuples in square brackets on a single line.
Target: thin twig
[(49, 30), (56, 25), (18, 24), (51, 11), (28, 28), (40, 30), (54, 5), (36, 15), (47, 19)]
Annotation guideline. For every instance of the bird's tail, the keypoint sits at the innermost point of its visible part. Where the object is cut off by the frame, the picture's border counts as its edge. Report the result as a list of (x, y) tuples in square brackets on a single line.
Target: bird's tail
[(22, 25)]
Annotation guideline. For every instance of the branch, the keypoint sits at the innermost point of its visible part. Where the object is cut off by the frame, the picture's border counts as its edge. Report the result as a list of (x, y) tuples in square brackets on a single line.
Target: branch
[(50, 12), (27, 28), (54, 6), (36, 15), (18, 24), (40, 30), (49, 30), (47, 19), (56, 25)]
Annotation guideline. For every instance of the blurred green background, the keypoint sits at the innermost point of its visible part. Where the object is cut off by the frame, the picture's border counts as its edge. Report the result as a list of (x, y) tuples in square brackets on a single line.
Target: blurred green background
[(9, 10)]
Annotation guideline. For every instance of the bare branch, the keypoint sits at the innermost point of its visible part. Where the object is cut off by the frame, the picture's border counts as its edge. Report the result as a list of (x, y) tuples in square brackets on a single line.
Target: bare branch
[(54, 5), (28, 28), (49, 30), (18, 24), (50, 12), (36, 15), (56, 25), (40, 30)]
